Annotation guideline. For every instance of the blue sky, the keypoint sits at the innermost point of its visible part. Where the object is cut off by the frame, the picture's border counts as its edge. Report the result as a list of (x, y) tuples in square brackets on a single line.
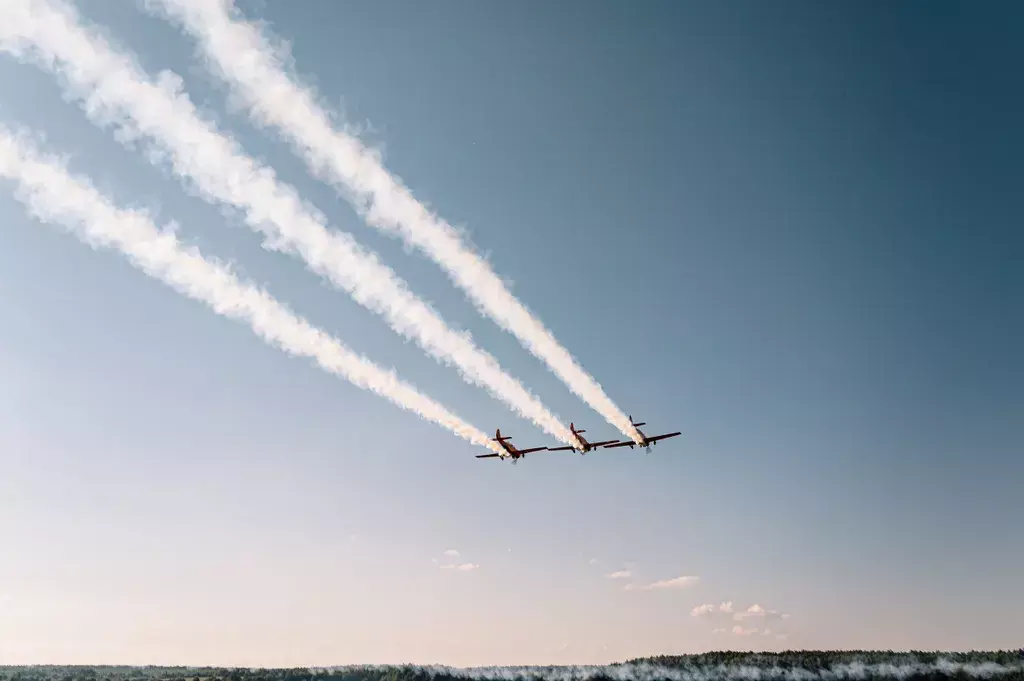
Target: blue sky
[(791, 232)]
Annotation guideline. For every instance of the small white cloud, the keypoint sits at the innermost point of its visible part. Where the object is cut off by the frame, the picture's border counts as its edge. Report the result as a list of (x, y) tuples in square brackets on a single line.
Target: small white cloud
[(674, 583), (593, 561), (702, 610), (435, 561), (619, 574), (461, 567), (719, 630), (740, 631), (726, 607), (753, 611), (451, 552), (678, 582), (757, 611), (782, 637), (766, 632)]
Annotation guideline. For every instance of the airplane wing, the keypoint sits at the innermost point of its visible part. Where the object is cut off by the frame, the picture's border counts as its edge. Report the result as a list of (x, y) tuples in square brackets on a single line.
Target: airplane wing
[(662, 437), (532, 449), (561, 449), (602, 444), (488, 456), (624, 443)]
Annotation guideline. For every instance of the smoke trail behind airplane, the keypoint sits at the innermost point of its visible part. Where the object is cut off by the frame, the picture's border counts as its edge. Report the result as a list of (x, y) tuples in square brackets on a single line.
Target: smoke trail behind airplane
[(52, 195), (238, 52), (115, 90)]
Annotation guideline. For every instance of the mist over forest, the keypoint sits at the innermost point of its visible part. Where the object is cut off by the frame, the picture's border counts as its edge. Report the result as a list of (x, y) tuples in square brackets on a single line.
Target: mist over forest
[(807, 665)]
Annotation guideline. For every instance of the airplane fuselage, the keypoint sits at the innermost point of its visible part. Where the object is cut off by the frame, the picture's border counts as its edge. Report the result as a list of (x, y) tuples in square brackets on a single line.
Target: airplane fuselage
[(511, 451), (646, 441), (585, 445)]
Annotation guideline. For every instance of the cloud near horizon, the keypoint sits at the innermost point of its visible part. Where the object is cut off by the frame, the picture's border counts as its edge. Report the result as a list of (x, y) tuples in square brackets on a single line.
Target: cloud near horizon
[(449, 554), (457, 567), (619, 574), (739, 630), (674, 583), (757, 611), (709, 608)]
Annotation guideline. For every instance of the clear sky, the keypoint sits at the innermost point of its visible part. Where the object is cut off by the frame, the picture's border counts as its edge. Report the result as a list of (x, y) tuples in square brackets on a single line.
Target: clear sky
[(790, 230)]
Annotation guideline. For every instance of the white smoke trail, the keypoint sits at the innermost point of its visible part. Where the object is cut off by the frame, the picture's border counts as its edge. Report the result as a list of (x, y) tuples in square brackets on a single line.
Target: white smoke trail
[(115, 90), (246, 59), (51, 194)]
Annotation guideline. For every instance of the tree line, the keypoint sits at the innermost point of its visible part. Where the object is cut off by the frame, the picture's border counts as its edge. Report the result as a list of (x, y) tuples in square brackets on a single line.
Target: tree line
[(807, 660)]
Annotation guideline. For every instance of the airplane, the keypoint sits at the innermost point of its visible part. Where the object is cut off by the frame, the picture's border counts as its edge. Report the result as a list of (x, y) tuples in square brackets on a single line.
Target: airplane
[(514, 452), (647, 441), (587, 446)]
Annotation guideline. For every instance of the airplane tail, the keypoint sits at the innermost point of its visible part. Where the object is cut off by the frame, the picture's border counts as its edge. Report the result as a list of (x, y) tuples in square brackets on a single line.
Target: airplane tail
[(572, 427), (642, 423), (497, 436)]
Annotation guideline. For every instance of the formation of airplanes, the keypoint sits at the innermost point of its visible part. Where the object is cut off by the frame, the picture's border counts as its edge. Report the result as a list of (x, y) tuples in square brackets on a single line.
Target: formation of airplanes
[(513, 453)]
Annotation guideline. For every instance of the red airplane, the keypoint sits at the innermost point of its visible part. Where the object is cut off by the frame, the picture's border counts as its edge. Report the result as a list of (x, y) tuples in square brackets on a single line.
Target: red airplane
[(587, 446), (647, 441), (513, 452)]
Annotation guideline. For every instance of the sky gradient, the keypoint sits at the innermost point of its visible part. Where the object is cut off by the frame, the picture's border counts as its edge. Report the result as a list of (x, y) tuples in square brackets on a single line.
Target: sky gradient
[(792, 232)]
